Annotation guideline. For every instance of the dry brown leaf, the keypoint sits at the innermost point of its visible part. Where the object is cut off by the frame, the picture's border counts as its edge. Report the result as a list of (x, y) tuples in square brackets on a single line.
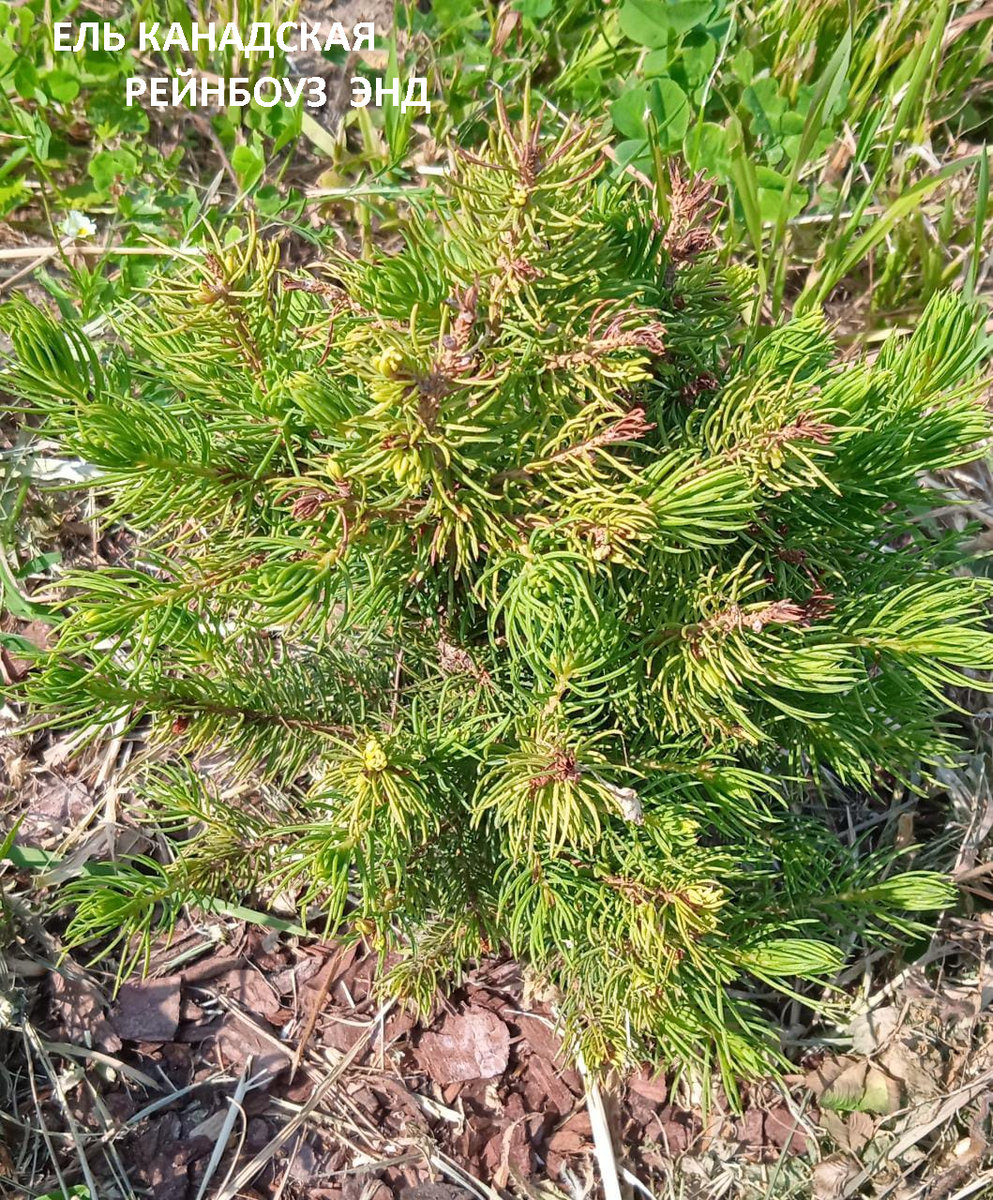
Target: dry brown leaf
[(901, 1042), (852, 1131), (848, 1083), (831, 1176), (79, 1004), (508, 21), (872, 1030)]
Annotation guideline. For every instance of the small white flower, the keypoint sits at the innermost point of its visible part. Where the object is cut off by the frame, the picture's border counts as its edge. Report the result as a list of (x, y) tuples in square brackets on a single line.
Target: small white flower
[(78, 228)]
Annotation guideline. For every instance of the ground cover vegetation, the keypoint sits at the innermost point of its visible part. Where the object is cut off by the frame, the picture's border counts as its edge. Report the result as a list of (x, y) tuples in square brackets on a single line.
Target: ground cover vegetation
[(846, 141), (832, 129)]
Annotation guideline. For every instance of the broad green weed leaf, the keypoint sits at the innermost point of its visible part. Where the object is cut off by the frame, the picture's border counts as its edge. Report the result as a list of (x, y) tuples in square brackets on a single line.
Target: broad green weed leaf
[(449, 13), (631, 151), (773, 196), (697, 56), (652, 22), (110, 165), (248, 165), (537, 10), (25, 79), (743, 65), (42, 138), (709, 149), (664, 100), (670, 108), (61, 86), (657, 62), (628, 112), (12, 195)]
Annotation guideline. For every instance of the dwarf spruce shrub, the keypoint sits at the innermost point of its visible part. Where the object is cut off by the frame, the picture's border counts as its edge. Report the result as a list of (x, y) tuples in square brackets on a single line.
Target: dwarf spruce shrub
[(494, 593)]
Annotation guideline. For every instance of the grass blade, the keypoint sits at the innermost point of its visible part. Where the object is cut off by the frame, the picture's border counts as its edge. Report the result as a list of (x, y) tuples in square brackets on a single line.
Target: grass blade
[(982, 204)]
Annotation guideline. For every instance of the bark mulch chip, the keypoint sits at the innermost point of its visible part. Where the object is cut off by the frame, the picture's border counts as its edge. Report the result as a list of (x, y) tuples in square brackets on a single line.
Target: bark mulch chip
[(148, 1010), (482, 1083)]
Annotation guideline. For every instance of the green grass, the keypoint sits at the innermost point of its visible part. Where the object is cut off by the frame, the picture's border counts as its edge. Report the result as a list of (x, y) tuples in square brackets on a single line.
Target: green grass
[(842, 138), (845, 138)]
